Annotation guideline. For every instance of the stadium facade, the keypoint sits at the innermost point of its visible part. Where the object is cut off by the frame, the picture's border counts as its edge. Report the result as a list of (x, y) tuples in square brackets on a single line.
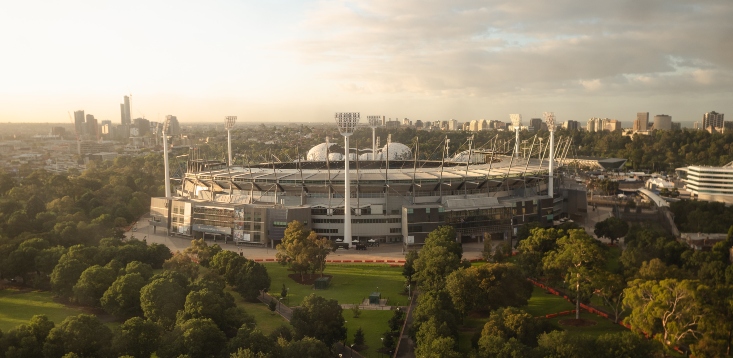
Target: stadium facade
[(394, 197)]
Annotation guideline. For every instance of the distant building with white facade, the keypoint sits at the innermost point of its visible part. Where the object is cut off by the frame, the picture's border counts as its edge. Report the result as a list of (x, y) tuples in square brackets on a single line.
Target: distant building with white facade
[(709, 183)]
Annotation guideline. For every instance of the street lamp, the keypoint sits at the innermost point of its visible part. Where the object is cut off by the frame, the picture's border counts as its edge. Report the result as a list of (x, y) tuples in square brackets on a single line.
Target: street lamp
[(346, 122), (352, 350), (382, 348)]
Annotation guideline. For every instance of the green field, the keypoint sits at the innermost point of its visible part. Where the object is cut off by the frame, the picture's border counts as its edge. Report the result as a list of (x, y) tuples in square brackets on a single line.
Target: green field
[(373, 323), (542, 303), (18, 307), (351, 283)]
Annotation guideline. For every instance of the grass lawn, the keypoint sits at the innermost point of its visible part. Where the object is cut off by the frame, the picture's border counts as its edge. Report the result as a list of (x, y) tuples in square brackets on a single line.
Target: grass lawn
[(373, 323), (614, 254), (351, 283), (542, 303), (471, 325), (602, 325), (18, 307), (267, 320)]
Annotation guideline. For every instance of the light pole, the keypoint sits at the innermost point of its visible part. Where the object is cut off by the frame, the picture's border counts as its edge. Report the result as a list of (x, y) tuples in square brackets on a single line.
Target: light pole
[(166, 125), (229, 124), (346, 122), (352, 350), (374, 122), (516, 123), (382, 348), (550, 119)]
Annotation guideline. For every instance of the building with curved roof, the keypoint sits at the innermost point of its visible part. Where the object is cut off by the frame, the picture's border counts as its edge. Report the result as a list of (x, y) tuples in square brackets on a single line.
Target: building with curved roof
[(395, 199)]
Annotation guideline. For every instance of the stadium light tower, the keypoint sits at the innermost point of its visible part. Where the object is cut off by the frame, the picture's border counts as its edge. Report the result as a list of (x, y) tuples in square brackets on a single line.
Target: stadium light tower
[(516, 123), (346, 122), (229, 124), (374, 123), (550, 120), (166, 126)]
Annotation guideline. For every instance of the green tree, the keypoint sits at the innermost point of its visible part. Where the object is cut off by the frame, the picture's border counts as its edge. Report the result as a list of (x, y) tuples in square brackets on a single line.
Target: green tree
[(302, 251), (122, 298), (138, 337), (65, 275), (488, 287), (218, 306), (533, 249), (440, 256), (610, 288), (92, 284), (157, 254), (255, 341), (251, 278), (319, 318), (84, 335), (625, 345), (434, 339), (183, 264), (669, 309), (26, 340), (202, 253), (577, 257), (307, 347), (198, 337), (359, 338), (408, 270), (612, 228), (162, 298), (145, 270)]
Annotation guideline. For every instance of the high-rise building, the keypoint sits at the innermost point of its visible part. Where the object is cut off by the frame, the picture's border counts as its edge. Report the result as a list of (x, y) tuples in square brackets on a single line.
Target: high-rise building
[(713, 120), (452, 125), (591, 125), (642, 122), (91, 127), (79, 122), (662, 122), (142, 125), (536, 124), (571, 125), (126, 117), (611, 125), (174, 128)]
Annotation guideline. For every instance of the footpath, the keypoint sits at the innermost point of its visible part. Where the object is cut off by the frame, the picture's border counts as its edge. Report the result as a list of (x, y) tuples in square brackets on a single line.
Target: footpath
[(287, 313)]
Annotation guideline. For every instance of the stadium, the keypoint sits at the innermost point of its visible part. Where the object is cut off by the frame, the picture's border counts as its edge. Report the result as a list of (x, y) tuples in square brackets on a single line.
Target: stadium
[(393, 197)]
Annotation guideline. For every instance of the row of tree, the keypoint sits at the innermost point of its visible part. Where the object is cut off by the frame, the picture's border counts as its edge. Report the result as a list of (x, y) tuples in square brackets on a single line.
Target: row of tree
[(659, 286), (660, 150)]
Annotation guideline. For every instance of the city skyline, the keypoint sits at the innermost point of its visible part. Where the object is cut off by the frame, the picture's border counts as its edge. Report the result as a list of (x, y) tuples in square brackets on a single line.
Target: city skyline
[(302, 61)]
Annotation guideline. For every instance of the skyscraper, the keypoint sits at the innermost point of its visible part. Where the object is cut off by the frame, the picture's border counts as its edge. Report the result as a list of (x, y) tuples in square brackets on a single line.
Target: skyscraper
[(91, 126), (536, 124), (79, 122), (712, 119), (663, 122), (642, 121), (125, 112)]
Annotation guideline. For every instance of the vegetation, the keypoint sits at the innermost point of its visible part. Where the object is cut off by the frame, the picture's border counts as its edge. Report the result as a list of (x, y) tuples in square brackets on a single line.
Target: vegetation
[(303, 252), (702, 216)]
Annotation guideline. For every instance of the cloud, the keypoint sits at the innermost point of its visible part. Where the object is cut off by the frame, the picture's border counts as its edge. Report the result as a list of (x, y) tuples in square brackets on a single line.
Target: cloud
[(494, 48)]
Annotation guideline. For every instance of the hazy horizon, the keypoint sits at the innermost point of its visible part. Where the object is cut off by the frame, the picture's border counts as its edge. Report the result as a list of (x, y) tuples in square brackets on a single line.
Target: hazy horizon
[(301, 61)]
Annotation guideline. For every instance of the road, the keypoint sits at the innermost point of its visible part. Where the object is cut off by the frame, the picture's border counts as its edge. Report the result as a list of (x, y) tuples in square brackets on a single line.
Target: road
[(143, 231)]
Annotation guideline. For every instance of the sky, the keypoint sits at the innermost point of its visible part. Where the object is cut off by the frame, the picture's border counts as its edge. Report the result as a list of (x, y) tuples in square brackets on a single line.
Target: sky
[(303, 60)]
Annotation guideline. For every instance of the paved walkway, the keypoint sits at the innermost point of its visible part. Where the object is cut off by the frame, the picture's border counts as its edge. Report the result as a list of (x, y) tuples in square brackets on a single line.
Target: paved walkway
[(385, 253)]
